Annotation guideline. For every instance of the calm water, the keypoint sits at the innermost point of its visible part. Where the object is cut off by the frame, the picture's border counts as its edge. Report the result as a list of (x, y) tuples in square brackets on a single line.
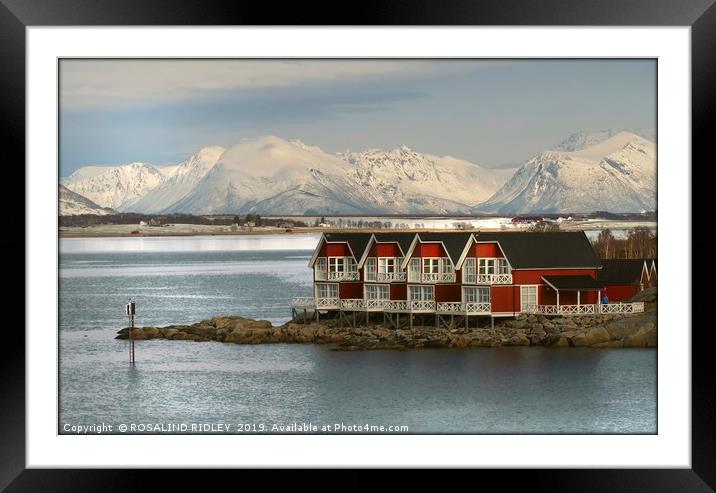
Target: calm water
[(184, 280)]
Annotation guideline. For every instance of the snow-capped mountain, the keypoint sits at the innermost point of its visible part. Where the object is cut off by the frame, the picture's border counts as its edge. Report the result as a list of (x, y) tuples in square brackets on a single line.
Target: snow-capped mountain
[(581, 140), (179, 180), (73, 204), (617, 174), (272, 175), (114, 186), (408, 181), (269, 174)]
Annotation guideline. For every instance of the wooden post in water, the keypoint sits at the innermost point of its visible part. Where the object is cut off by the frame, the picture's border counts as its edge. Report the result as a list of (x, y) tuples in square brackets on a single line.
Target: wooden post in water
[(130, 310)]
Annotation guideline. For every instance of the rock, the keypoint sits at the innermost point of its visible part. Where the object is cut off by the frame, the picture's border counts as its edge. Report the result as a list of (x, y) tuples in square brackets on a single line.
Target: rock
[(596, 335), (561, 342)]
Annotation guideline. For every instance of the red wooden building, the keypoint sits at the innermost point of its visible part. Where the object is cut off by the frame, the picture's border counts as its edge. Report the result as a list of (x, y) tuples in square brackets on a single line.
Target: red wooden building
[(623, 278), (495, 274)]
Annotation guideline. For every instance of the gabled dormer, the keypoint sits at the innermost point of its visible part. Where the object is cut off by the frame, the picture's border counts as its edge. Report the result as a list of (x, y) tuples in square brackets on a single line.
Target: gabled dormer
[(383, 257), (431, 257), (335, 257), (484, 262)]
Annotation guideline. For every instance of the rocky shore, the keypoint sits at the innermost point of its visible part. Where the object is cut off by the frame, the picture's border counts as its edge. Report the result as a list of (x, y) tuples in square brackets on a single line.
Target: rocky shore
[(612, 331)]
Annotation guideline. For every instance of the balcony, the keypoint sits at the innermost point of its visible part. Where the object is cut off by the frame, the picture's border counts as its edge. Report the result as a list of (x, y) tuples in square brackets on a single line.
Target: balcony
[(327, 303), (636, 307), (301, 302), (353, 304), (432, 278), (494, 279), (389, 276), (464, 308), (412, 306), (343, 276)]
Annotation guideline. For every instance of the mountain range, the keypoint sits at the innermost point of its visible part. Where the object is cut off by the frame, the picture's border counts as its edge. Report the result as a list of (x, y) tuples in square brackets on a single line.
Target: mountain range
[(608, 170)]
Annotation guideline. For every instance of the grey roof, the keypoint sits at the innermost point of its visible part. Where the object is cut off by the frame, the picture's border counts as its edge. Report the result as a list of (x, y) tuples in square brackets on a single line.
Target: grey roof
[(454, 242), (356, 241), (573, 283), (621, 271), (534, 250), (402, 239)]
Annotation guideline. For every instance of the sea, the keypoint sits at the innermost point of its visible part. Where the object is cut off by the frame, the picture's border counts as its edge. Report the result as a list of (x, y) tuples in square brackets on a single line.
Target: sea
[(183, 387)]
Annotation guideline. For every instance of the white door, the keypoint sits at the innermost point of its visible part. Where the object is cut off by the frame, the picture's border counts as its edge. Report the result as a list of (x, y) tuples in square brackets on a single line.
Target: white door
[(528, 296)]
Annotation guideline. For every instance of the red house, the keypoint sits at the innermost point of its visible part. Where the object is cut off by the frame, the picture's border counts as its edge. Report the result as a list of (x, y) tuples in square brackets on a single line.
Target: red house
[(464, 274), (623, 278)]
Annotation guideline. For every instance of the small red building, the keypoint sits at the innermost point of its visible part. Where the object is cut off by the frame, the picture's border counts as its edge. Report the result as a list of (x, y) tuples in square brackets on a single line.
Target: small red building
[(623, 278)]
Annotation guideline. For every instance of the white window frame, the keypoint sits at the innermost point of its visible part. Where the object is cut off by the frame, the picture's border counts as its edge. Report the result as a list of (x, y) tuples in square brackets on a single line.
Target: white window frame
[(422, 290), (431, 262), (377, 292), (326, 286), (371, 269), (347, 264), (492, 265), (474, 297), (470, 270), (523, 287), (385, 262), (322, 264)]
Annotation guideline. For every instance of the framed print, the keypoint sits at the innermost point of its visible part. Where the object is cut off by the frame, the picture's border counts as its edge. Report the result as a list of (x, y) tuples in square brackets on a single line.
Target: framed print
[(422, 242)]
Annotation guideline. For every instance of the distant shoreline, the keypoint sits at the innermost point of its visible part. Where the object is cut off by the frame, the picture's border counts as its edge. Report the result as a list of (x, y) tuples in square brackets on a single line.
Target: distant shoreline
[(125, 230)]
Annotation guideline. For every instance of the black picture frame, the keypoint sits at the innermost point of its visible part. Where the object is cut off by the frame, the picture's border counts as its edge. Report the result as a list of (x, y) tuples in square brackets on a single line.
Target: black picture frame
[(17, 15)]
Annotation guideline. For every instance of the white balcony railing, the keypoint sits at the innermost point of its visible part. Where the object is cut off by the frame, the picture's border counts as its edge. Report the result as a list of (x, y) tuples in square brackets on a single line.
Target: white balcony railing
[(493, 279), (463, 308), (303, 302), (450, 307), (327, 302), (375, 305), (432, 277), (343, 276), (636, 307), (475, 307), (353, 304), (396, 306), (422, 306), (389, 276)]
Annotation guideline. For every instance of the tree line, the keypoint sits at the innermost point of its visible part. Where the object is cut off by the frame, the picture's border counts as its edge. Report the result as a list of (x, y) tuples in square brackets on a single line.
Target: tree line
[(640, 242)]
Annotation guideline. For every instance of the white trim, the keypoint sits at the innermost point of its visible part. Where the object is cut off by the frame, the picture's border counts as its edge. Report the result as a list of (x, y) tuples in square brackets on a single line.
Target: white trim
[(463, 256), (371, 241), (321, 241), (411, 249), (536, 286)]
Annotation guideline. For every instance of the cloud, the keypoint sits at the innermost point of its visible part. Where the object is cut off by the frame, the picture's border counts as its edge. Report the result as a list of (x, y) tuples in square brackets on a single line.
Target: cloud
[(93, 83)]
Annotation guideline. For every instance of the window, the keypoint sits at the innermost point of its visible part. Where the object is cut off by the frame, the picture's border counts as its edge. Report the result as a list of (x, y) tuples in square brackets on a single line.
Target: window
[(341, 264), (388, 265), (528, 296), (370, 269), (469, 270), (485, 266), (321, 263), (445, 265), (476, 295), (377, 292), (336, 264), (327, 290), (421, 293), (414, 269), (431, 266), (492, 266)]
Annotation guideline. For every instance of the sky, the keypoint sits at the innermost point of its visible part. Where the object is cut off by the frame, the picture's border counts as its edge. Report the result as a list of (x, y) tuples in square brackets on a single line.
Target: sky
[(495, 113)]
